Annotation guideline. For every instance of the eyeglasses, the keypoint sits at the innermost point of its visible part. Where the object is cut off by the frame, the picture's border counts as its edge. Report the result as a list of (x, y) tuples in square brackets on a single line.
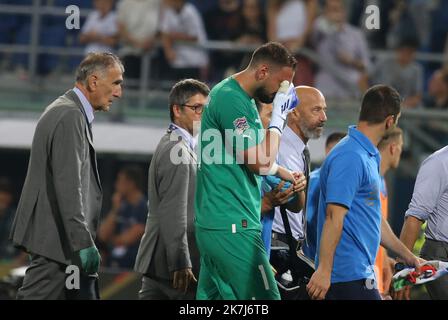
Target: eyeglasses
[(197, 109)]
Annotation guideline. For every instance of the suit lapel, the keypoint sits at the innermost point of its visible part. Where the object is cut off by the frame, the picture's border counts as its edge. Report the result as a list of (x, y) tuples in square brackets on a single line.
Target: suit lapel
[(72, 96)]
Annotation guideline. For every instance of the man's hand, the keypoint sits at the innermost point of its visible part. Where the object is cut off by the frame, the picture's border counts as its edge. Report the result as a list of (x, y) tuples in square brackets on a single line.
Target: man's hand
[(319, 284), (299, 182), (90, 259), (182, 279), (405, 293), (277, 197), (388, 272), (284, 102)]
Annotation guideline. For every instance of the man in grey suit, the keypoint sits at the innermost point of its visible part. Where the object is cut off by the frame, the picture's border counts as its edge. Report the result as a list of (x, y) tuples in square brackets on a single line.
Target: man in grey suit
[(168, 257), (58, 212)]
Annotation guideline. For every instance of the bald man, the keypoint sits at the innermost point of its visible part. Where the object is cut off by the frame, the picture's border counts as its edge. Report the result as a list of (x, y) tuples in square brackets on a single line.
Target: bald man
[(305, 122)]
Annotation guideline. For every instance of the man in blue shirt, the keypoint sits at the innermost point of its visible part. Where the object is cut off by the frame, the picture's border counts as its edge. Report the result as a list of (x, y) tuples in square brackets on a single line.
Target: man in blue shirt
[(312, 203), (350, 227)]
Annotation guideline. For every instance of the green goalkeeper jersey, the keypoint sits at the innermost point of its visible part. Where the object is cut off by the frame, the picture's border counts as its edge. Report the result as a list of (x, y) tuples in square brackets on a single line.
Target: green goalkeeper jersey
[(227, 192)]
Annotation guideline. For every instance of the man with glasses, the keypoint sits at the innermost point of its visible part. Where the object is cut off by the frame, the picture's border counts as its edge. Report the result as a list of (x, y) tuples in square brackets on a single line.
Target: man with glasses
[(168, 257)]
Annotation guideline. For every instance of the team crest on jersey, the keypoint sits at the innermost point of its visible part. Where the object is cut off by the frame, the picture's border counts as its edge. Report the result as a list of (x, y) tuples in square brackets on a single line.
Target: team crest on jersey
[(240, 125)]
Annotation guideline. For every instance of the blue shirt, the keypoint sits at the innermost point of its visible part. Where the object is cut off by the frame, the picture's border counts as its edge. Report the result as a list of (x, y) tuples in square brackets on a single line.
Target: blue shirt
[(350, 177), (88, 109), (312, 204)]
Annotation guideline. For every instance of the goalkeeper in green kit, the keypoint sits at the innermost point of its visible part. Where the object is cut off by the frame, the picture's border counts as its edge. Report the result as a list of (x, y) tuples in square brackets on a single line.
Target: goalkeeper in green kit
[(233, 151)]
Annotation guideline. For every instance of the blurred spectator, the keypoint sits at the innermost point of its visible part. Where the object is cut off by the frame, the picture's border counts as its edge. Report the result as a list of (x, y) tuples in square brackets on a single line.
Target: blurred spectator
[(402, 72), (100, 31), (181, 23), (290, 23), (137, 27), (402, 24), (438, 90), (225, 23), (124, 226), (343, 54), (254, 23), (254, 27), (7, 211)]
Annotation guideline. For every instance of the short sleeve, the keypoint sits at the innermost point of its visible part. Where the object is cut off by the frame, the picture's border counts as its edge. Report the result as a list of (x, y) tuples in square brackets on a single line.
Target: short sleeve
[(345, 173), (429, 185)]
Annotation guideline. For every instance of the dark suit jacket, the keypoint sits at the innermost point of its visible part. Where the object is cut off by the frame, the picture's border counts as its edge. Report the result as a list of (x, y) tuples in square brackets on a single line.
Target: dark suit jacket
[(169, 240), (61, 199)]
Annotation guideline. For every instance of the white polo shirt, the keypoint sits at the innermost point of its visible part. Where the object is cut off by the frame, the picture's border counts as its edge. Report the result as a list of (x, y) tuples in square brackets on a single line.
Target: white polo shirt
[(106, 26), (188, 21)]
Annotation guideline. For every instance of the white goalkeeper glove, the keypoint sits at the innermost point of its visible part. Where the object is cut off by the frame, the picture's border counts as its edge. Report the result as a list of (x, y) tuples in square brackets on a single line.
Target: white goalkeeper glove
[(284, 102)]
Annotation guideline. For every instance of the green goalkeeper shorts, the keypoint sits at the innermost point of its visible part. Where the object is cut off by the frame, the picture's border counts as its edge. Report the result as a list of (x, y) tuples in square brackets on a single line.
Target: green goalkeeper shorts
[(234, 266)]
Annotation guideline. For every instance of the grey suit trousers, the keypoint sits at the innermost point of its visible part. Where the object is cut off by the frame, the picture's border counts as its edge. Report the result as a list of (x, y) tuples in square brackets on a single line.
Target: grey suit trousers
[(162, 290), (436, 250), (45, 280)]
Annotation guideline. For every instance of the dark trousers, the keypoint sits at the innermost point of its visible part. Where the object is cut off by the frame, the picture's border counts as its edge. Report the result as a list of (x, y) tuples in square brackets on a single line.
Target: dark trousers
[(163, 290), (353, 290), (45, 279), (436, 250)]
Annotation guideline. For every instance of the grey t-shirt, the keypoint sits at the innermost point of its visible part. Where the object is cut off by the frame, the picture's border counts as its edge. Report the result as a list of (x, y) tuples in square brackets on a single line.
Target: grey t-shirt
[(408, 80), (430, 198)]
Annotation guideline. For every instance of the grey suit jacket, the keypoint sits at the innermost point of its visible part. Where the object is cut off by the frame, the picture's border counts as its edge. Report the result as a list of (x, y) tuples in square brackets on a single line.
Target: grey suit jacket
[(169, 240), (60, 204)]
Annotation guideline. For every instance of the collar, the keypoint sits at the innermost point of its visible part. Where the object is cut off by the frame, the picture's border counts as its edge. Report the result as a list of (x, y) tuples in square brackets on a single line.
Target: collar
[(362, 140), (189, 139), (293, 139), (88, 109)]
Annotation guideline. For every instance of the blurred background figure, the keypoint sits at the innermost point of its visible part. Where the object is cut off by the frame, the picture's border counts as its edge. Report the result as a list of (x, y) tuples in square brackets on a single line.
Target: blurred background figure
[(390, 148), (181, 22), (8, 253), (402, 72), (343, 48), (100, 32), (120, 232), (224, 23), (437, 96), (137, 26), (290, 22)]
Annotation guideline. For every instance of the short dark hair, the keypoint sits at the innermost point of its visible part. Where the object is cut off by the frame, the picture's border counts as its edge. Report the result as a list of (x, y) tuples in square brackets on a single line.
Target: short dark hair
[(184, 90), (393, 135), (135, 174), (335, 137), (273, 53), (378, 103), (96, 61)]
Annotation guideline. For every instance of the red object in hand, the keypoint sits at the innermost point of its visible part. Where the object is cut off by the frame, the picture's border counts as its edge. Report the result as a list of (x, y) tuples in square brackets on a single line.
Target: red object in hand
[(427, 271)]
